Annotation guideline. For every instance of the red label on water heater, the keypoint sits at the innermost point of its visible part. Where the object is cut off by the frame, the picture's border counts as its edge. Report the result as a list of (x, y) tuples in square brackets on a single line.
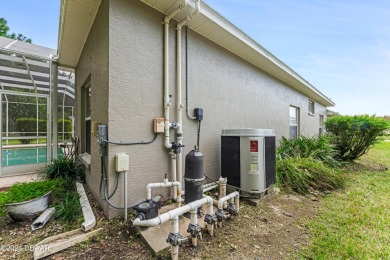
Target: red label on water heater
[(254, 147)]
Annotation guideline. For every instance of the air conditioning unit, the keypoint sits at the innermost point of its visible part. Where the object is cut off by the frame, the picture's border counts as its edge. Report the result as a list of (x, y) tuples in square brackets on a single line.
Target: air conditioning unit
[(248, 159)]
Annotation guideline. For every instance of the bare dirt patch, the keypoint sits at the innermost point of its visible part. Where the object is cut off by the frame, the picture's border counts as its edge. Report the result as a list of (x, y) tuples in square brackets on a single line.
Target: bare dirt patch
[(274, 230)]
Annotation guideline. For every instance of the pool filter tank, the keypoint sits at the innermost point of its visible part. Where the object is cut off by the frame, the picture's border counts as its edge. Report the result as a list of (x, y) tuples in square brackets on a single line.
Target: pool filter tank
[(194, 176)]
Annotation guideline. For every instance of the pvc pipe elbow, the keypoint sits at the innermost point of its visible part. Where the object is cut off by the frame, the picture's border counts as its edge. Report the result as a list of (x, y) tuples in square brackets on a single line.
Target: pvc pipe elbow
[(147, 223), (226, 198)]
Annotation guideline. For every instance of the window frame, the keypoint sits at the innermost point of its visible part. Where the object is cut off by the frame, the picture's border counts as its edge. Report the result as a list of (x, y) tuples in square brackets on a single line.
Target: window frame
[(321, 125), (311, 107), (296, 125), (86, 118)]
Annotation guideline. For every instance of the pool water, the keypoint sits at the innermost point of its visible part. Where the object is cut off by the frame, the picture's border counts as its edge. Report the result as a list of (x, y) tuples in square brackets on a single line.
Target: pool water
[(23, 156)]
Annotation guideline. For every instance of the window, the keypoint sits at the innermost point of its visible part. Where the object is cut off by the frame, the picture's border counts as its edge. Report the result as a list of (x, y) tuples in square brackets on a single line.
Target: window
[(321, 131), (87, 118), (294, 122), (311, 107)]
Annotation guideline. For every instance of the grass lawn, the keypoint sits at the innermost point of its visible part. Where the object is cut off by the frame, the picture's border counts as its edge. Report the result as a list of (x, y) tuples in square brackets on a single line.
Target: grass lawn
[(355, 223)]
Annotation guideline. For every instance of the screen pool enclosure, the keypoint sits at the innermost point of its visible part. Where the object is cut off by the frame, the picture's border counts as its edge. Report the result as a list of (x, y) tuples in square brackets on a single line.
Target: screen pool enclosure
[(37, 106)]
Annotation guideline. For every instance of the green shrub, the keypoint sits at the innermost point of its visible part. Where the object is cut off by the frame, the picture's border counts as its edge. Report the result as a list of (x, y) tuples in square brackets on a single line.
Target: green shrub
[(318, 148), (302, 175), (64, 168), (67, 128), (354, 135), (27, 127)]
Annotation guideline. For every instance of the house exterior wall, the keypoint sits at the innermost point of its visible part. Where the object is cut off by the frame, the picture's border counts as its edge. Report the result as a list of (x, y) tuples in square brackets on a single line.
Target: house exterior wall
[(93, 66), (232, 92)]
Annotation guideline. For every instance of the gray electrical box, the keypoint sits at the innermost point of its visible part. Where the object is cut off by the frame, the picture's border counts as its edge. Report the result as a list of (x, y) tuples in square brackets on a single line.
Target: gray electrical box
[(248, 159)]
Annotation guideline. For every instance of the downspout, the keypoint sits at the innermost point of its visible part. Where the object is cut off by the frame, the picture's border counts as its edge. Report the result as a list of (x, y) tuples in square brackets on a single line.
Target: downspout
[(179, 105), (167, 101)]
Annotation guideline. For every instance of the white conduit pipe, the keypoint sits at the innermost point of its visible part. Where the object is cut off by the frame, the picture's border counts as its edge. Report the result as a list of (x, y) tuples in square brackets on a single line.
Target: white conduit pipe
[(175, 230), (179, 105), (167, 103), (173, 213), (209, 188), (206, 187), (210, 227), (173, 169), (194, 221), (211, 184), (165, 184), (226, 198)]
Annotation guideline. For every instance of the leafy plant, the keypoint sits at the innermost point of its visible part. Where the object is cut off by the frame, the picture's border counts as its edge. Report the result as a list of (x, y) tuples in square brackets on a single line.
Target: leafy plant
[(69, 209), (63, 168), (64, 196), (354, 135), (318, 148), (304, 174), (26, 191)]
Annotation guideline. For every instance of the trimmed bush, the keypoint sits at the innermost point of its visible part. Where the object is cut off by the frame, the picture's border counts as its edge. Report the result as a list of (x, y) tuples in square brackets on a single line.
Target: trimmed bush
[(353, 136), (302, 175), (318, 148)]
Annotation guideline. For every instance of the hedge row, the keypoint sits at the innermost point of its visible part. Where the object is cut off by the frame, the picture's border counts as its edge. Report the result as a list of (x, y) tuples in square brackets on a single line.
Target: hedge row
[(26, 125)]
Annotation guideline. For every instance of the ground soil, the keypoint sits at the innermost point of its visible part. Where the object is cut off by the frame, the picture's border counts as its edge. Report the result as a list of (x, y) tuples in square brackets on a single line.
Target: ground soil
[(273, 230)]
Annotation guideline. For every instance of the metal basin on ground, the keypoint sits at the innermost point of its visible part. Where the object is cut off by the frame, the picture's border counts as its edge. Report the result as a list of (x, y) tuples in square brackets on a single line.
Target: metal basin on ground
[(27, 210)]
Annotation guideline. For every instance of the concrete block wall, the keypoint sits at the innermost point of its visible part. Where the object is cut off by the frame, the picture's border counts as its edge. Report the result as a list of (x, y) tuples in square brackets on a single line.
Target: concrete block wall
[(232, 92)]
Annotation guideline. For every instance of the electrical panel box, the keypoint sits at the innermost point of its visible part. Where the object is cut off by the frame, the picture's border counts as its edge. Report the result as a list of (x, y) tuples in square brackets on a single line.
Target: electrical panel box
[(158, 124), (121, 162), (248, 159)]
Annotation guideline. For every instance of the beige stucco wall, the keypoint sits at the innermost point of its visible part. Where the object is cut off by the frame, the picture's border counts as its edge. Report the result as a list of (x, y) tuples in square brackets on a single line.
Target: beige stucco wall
[(93, 66), (232, 92)]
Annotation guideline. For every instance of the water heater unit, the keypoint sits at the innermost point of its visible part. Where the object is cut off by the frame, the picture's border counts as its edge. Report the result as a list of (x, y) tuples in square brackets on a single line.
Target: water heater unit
[(248, 159)]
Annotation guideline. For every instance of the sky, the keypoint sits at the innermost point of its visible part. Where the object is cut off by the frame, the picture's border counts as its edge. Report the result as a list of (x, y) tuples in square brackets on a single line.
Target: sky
[(342, 47)]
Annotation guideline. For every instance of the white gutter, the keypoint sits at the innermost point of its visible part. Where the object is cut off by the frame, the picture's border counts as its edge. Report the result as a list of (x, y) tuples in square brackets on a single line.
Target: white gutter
[(89, 217), (167, 102)]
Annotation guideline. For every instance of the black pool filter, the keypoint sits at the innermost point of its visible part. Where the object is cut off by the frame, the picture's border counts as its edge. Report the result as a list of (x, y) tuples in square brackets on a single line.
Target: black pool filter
[(194, 176)]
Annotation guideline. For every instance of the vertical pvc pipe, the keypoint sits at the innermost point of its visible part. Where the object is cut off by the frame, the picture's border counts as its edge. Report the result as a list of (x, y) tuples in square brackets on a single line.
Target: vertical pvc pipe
[(222, 188), (125, 196), (166, 86), (173, 166), (175, 230), (194, 221), (237, 203), (210, 211)]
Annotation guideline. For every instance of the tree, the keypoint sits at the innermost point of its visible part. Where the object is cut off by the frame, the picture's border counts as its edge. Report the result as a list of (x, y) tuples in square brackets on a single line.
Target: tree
[(4, 32), (3, 27), (354, 135)]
